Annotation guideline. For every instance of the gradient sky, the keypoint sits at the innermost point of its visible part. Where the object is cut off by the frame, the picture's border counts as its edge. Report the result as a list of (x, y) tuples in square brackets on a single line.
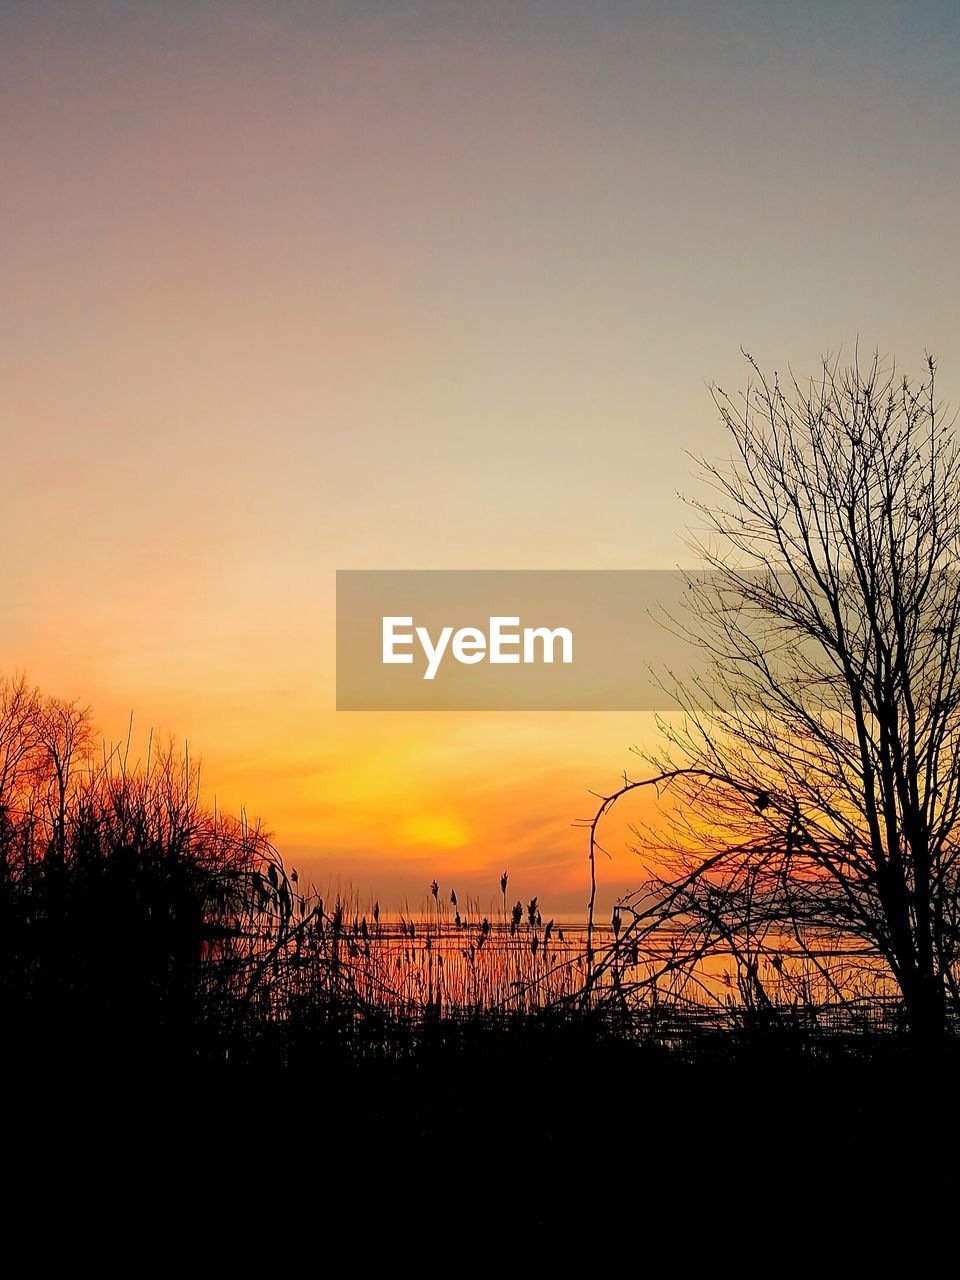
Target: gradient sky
[(295, 287)]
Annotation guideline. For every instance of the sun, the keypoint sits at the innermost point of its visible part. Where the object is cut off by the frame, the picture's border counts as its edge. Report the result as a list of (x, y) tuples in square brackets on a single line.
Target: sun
[(439, 831)]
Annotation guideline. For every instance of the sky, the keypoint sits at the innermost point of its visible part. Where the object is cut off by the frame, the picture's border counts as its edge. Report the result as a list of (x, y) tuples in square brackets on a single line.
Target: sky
[(290, 288)]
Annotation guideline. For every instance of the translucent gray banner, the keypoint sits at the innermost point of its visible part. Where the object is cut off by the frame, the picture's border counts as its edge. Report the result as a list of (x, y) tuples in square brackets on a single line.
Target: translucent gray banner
[(510, 640)]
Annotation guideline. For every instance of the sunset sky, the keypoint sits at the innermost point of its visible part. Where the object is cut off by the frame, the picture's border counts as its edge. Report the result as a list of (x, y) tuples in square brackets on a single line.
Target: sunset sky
[(294, 287)]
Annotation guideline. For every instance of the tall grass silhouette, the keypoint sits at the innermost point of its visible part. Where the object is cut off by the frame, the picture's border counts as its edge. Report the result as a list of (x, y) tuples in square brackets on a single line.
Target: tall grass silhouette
[(139, 924)]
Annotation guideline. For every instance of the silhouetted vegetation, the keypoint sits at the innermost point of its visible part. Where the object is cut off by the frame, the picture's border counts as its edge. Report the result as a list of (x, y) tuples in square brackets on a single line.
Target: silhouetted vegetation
[(139, 926), (143, 930), (755, 1008), (809, 866)]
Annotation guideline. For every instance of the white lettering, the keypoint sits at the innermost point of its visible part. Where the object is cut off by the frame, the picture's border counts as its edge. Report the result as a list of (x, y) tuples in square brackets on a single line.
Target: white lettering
[(469, 644), (532, 634), (434, 653), (498, 638), (391, 640)]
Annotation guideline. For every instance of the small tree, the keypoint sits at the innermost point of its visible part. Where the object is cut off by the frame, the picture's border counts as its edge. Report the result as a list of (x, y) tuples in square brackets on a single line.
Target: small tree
[(65, 739), (815, 771)]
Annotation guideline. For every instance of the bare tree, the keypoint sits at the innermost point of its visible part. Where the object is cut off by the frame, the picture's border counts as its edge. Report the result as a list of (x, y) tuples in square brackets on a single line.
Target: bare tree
[(813, 777), (64, 734), (20, 707)]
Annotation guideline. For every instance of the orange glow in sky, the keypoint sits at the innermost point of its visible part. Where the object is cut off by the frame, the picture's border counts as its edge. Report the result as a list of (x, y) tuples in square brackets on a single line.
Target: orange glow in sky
[(292, 288)]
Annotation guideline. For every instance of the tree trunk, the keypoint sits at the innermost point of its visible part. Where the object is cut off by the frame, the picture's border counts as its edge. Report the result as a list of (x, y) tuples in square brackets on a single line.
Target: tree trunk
[(926, 1009)]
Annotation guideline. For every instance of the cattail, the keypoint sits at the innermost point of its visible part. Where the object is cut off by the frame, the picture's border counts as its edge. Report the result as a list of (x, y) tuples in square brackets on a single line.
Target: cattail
[(435, 890), (503, 882), (453, 897)]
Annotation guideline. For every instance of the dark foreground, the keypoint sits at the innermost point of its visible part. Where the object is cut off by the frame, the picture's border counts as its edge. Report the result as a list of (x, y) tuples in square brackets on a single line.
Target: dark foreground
[(513, 1135)]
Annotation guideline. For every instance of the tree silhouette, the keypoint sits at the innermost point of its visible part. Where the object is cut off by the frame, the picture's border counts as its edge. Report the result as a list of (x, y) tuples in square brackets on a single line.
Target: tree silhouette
[(813, 775), (135, 922)]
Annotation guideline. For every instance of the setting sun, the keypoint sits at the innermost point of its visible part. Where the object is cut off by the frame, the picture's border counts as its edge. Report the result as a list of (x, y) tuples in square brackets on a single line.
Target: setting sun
[(435, 832)]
